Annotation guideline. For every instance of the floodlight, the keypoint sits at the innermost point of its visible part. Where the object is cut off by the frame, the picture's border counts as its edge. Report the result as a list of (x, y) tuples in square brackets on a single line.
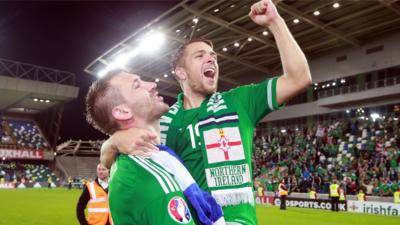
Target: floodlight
[(151, 42), (102, 73), (124, 58)]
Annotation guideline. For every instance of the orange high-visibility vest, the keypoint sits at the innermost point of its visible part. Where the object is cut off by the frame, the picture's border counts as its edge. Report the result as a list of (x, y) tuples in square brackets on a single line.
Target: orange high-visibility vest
[(281, 190), (98, 210)]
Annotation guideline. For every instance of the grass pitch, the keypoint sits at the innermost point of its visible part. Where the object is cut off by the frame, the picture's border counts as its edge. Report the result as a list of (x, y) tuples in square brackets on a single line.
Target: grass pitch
[(38, 206), (269, 215), (57, 207)]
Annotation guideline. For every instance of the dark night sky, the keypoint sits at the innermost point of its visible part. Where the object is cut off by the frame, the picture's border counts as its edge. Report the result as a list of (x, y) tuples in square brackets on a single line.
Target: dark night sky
[(68, 36)]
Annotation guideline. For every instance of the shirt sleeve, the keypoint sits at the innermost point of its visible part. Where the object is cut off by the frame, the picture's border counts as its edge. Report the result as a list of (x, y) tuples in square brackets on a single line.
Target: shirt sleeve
[(257, 99), (167, 213), (80, 208)]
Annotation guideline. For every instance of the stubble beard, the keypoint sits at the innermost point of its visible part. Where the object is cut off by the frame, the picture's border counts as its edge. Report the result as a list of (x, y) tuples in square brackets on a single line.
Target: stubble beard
[(202, 89)]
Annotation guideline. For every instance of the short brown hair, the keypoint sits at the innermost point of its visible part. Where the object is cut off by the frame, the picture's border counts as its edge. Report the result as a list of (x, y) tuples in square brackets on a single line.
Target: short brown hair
[(101, 98), (179, 53)]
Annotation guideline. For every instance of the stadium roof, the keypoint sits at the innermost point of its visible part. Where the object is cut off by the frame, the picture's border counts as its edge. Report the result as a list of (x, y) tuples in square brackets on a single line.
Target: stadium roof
[(30, 89), (250, 49)]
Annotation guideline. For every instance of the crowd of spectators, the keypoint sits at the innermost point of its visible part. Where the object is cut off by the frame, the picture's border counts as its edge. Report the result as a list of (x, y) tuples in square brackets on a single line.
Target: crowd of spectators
[(21, 134), (361, 153), (16, 171)]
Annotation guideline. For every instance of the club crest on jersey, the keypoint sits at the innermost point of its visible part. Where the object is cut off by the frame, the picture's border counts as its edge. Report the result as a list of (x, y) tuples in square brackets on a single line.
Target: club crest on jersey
[(216, 103), (223, 144), (179, 211)]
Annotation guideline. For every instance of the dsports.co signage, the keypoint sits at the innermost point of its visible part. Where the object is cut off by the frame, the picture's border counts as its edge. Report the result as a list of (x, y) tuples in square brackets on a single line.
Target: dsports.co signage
[(310, 203), (380, 208), (21, 154)]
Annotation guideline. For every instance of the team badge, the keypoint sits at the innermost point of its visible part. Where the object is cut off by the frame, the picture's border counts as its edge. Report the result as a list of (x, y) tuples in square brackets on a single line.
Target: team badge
[(179, 211)]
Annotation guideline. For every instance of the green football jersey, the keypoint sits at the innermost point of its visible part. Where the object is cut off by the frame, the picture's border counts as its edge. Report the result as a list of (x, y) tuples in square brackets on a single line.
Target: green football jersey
[(215, 143), (142, 192)]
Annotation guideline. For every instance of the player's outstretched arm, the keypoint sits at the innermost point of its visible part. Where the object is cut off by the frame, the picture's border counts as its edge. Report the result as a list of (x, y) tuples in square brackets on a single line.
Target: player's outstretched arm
[(133, 141), (296, 73)]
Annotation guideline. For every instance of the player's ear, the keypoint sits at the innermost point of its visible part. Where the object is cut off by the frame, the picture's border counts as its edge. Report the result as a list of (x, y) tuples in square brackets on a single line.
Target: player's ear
[(122, 112), (180, 73)]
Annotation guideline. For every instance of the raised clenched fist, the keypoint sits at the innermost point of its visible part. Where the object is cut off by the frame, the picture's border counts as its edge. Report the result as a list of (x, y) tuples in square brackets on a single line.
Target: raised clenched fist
[(263, 12)]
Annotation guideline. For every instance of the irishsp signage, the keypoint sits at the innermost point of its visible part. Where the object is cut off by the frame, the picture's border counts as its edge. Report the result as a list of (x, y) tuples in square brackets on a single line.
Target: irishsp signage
[(380, 208)]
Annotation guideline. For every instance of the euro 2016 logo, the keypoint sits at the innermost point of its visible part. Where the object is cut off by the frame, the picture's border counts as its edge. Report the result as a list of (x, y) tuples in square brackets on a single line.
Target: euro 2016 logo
[(179, 211)]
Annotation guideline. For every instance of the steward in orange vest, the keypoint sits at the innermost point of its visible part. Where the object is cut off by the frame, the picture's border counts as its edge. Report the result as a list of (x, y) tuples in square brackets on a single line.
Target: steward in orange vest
[(95, 198), (283, 192)]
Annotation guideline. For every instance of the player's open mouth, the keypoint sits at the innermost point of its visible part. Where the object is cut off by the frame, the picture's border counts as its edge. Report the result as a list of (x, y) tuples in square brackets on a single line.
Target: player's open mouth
[(209, 73)]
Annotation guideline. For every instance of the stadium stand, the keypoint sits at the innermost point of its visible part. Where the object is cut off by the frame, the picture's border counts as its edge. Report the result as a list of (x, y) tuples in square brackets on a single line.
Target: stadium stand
[(363, 152), (31, 173), (22, 134), (79, 167), (78, 159), (32, 100)]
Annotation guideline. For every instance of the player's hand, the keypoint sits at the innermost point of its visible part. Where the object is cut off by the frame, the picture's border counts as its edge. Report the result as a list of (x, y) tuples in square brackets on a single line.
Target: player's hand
[(263, 12), (133, 141)]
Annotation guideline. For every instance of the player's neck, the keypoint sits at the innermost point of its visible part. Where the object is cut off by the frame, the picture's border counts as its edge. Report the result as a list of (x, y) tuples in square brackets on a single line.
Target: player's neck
[(104, 179), (153, 126), (192, 100)]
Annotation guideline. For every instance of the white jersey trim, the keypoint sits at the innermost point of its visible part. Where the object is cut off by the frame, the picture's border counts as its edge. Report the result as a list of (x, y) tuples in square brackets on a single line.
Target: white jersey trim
[(269, 97), (218, 120), (167, 177), (167, 183)]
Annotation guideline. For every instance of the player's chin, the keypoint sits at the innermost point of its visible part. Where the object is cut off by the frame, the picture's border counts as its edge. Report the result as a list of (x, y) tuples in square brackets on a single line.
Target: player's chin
[(164, 107), (211, 89), (207, 91)]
